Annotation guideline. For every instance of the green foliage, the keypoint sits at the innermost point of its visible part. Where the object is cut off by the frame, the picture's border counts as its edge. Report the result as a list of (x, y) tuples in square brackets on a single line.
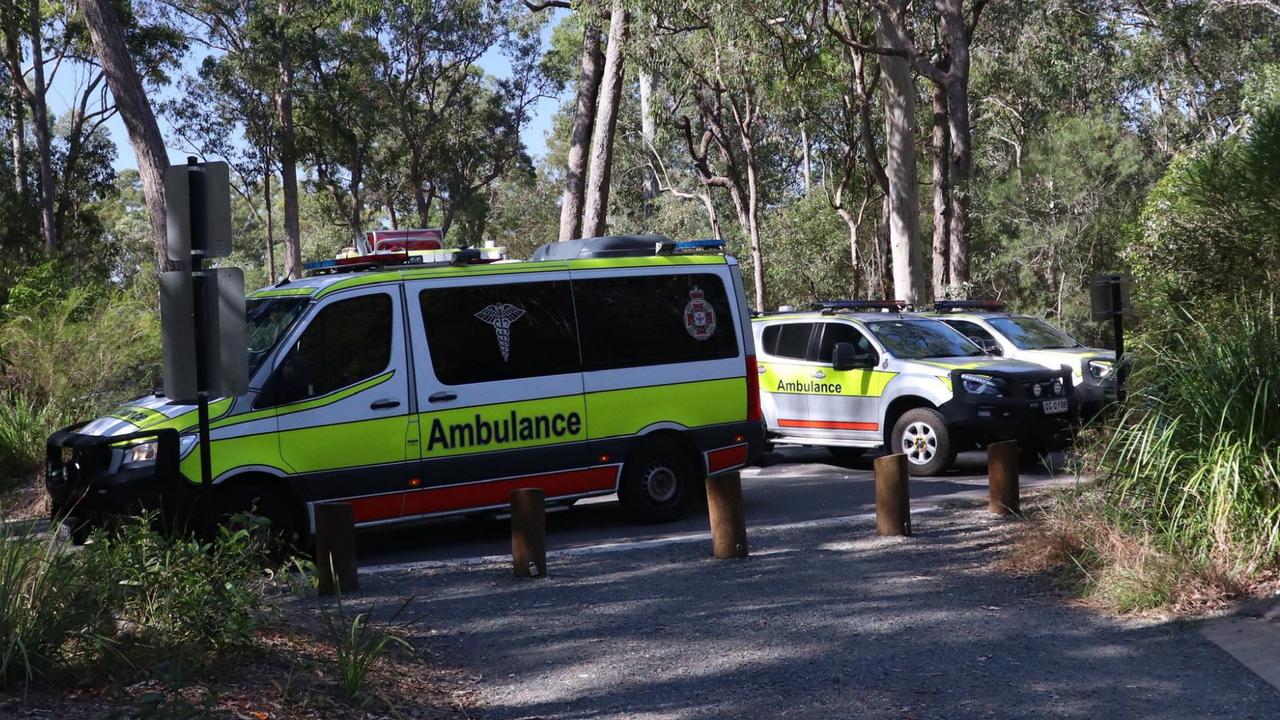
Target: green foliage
[(180, 593), (1195, 461), (1057, 219), (810, 254), (1211, 226), (45, 605), (24, 426)]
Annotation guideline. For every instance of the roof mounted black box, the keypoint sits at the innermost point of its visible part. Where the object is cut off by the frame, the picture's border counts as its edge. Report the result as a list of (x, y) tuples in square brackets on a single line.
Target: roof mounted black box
[(611, 246)]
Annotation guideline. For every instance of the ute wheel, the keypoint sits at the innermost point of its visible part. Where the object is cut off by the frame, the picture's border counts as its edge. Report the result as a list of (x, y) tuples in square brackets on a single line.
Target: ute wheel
[(923, 436), (228, 502), (657, 483), (845, 455)]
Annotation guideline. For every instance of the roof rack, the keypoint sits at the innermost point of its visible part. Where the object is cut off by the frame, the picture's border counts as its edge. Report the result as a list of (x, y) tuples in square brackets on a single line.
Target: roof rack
[(613, 246), (831, 306), (961, 305)]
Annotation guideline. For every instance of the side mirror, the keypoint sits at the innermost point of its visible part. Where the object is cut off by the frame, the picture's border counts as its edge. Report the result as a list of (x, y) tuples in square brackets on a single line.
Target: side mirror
[(845, 357)]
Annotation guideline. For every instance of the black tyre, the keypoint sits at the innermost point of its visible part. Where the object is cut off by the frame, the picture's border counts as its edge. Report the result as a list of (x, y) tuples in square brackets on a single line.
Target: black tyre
[(657, 483), (923, 436), (229, 502), (845, 455)]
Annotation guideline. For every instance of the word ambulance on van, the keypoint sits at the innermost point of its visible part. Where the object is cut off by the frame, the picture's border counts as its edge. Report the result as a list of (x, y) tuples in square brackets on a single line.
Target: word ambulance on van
[(413, 390)]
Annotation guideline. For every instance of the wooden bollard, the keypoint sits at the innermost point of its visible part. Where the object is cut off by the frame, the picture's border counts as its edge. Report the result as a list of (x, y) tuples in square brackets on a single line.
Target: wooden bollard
[(528, 532), (893, 498), (728, 520), (336, 548), (1002, 469)]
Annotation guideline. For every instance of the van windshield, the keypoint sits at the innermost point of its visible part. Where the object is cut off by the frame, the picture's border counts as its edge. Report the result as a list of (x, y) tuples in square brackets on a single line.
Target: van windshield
[(268, 319), (918, 339)]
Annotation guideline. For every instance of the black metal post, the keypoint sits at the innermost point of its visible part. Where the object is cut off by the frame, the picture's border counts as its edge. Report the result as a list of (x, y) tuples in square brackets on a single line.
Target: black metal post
[(199, 241), (1117, 320)]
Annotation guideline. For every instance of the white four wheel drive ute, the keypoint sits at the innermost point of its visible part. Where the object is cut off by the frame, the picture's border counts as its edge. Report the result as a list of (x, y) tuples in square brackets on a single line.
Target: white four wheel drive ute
[(856, 374), (990, 325)]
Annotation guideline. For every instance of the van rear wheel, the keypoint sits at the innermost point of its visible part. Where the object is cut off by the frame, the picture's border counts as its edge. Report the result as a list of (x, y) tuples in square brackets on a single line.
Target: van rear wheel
[(923, 436), (657, 483)]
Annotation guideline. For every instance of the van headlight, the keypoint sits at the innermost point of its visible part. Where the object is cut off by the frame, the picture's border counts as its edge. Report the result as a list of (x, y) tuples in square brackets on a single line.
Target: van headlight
[(144, 453), (975, 384), (1101, 369)]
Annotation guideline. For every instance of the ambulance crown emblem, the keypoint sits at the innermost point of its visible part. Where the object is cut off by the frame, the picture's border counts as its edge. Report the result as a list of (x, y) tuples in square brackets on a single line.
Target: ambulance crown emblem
[(501, 316), (699, 316)]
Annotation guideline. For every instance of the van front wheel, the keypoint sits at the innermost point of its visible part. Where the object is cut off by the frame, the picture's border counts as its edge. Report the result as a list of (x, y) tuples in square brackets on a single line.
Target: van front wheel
[(657, 483), (923, 436)]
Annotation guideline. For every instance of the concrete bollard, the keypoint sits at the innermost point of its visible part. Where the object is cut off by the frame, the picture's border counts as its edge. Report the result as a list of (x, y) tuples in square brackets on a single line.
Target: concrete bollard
[(336, 548), (893, 498), (728, 520), (528, 532), (1002, 471)]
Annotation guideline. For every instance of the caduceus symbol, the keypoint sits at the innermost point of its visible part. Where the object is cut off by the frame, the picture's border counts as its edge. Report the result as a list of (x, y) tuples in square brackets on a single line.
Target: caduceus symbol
[(500, 316)]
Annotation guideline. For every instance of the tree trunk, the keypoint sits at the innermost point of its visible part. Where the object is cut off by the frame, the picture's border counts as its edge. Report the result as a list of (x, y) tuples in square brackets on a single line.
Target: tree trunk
[(135, 110), (355, 220), (17, 118), (289, 164), (42, 133), (900, 166), (941, 196), (596, 202), (271, 241), (713, 218), (584, 115), (806, 162), (649, 134), (960, 170)]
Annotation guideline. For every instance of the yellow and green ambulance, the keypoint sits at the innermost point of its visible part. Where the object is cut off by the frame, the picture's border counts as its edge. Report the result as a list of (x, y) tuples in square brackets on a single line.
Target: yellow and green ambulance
[(609, 365)]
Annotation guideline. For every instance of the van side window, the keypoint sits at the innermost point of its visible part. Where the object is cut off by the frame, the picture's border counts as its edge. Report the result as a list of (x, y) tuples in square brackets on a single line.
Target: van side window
[(838, 332), (789, 340), (653, 319), (482, 333), (346, 342)]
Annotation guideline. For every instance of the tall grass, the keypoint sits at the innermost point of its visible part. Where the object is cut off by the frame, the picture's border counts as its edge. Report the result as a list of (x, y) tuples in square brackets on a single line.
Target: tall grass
[(1194, 463), (24, 425), (45, 604)]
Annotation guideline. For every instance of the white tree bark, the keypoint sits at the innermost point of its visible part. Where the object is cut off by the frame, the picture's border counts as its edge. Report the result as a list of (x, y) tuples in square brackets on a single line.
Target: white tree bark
[(584, 115), (596, 206), (900, 166)]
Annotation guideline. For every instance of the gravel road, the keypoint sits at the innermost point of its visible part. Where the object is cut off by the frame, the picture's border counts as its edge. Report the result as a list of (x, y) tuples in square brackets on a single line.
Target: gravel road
[(825, 622)]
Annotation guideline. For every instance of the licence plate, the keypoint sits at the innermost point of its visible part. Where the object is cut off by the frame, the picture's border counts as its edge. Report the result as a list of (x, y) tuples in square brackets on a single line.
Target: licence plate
[(1053, 407)]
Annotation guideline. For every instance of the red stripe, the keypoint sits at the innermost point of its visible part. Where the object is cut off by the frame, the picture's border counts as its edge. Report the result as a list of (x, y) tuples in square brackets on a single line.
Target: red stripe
[(828, 424), (481, 494), (726, 458)]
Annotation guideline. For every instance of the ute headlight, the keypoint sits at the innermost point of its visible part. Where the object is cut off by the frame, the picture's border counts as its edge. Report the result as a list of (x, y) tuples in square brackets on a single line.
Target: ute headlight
[(1101, 369), (982, 384)]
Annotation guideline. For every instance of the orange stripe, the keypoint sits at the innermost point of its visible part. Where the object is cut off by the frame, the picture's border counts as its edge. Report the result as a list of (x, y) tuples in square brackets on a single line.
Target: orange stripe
[(829, 424)]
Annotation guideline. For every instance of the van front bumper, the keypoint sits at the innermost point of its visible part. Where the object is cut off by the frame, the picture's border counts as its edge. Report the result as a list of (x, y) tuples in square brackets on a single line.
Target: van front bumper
[(88, 484)]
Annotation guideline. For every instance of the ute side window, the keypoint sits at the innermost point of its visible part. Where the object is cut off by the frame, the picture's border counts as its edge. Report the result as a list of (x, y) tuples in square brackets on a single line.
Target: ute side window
[(789, 340), (483, 333), (346, 342), (653, 320), (838, 332)]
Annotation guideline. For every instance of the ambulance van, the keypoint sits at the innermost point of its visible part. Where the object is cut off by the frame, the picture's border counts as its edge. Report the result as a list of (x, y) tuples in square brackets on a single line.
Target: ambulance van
[(609, 365)]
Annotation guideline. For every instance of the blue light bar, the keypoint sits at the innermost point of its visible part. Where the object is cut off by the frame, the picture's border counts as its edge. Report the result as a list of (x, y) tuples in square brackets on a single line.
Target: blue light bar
[(320, 265), (705, 244), (898, 305)]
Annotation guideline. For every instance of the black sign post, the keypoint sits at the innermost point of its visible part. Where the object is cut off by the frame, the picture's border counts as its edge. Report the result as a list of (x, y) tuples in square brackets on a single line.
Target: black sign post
[(202, 309), (1109, 300)]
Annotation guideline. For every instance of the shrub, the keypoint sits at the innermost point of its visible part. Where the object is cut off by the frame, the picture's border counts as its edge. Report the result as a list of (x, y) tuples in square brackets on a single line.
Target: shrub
[(24, 425), (182, 593)]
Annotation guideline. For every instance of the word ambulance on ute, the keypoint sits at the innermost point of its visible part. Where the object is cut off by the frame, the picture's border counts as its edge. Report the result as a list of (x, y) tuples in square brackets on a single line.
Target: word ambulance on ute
[(855, 374), (605, 365), (990, 325)]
